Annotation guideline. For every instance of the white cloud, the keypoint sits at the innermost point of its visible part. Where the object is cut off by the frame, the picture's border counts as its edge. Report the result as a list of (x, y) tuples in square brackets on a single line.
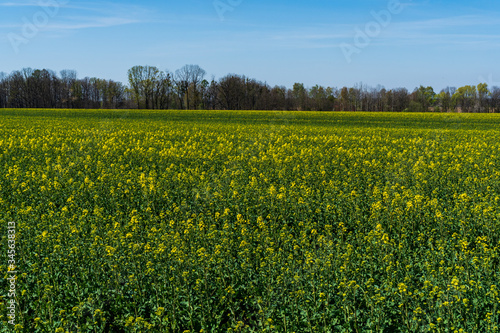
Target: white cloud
[(78, 23), (453, 31), (18, 4), (79, 16)]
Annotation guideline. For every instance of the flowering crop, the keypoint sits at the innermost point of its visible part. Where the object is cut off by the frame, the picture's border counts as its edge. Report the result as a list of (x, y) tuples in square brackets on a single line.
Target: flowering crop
[(184, 221)]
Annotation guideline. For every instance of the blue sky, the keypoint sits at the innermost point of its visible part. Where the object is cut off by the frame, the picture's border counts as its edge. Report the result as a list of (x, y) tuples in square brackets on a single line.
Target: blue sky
[(438, 43)]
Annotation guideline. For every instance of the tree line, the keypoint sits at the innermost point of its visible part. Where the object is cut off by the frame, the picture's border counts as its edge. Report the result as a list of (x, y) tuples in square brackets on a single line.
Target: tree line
[(187, 88)]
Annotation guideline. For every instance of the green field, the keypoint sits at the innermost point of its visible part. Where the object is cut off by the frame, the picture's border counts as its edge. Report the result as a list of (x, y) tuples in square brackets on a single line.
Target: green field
[(197, 221)]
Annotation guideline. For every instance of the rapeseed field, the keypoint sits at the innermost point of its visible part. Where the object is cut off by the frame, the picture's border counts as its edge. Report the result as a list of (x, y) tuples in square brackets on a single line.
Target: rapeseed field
[(197, 221)]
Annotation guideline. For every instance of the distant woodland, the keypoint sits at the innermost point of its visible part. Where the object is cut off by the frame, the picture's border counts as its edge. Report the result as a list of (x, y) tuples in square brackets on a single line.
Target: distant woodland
[(187, 88)]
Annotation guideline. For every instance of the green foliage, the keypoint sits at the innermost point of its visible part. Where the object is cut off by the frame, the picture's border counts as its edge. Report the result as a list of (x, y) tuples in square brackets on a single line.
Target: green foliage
[(426, 97), (415, 107), (186, 221)]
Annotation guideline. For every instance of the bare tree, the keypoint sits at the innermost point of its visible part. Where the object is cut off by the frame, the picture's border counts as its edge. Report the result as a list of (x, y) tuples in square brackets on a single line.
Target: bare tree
[(135, 78), (495, 99), (188, 75), (143, 83), (163, 90), (68, 79), (4, 90), (232, 91)]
